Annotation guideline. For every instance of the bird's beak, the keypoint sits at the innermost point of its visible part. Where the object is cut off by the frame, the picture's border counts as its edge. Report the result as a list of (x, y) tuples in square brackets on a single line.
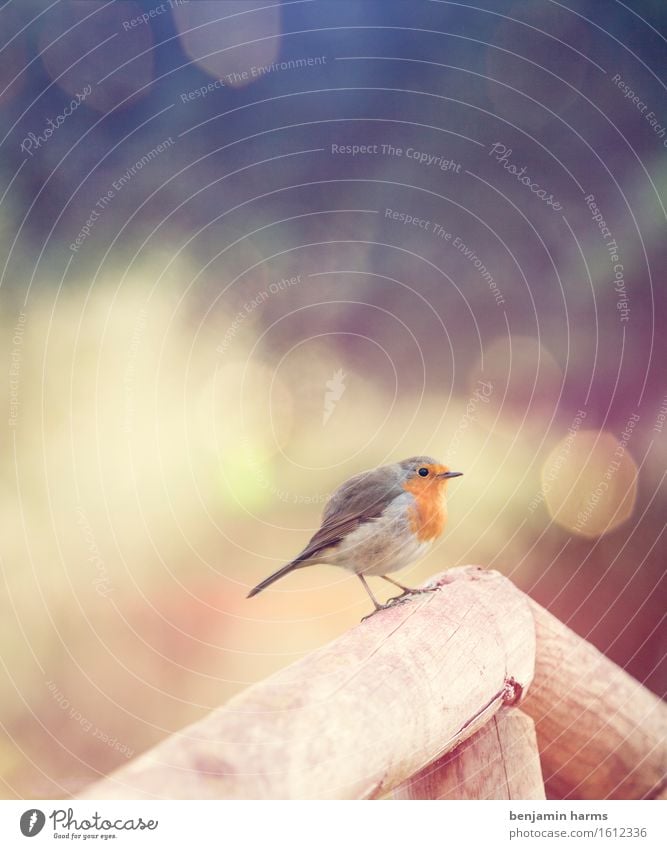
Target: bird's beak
[(450, 475)]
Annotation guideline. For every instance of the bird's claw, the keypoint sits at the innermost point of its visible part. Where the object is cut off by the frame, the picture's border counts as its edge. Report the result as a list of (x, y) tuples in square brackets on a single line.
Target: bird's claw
[(405, 596), (410, 592), (392, 602)]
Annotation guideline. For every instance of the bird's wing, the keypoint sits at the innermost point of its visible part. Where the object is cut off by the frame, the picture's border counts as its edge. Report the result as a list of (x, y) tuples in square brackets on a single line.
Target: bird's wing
[(330, 533), (360, 499), (368, 492)]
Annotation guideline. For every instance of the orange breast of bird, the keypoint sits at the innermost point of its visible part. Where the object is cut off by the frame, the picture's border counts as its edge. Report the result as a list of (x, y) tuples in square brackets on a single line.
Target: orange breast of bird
[(428, 515)]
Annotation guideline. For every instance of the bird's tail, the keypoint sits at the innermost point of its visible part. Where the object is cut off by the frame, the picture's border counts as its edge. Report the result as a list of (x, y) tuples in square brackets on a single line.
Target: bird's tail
[(275, 576)]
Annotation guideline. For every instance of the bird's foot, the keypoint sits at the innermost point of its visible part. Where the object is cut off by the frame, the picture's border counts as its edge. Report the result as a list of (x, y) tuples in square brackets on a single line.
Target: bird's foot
[(410, 592), (392, 602)]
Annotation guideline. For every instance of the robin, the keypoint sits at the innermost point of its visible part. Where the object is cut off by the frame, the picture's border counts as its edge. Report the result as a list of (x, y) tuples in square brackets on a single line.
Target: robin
[(377, 522)]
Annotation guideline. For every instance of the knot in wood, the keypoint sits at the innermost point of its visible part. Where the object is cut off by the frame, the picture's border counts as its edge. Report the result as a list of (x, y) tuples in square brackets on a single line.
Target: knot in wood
[(512, 692)]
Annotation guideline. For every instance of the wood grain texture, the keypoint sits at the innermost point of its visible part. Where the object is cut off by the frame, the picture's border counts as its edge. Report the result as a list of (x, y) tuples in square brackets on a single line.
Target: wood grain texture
[(360, 715), (601, 734), (500, 761)]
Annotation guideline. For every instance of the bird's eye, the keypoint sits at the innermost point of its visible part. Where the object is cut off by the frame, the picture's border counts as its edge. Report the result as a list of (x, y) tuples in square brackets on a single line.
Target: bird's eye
[(423, 472)]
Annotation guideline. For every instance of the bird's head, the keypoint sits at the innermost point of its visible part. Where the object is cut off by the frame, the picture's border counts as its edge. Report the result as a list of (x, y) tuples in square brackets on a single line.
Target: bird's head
[(425, 472)]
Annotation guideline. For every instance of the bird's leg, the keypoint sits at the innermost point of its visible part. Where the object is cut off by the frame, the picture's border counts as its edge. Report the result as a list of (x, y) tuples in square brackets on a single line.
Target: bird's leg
[(377, 604), (407, 590)]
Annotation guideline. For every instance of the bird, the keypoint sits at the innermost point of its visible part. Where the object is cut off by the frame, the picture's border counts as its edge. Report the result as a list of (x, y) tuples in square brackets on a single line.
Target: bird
[(378, 521)]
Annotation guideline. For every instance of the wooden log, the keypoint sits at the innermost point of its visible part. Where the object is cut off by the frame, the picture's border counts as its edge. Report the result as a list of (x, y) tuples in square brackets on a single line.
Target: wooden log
[(601, 734), (500, 761), (359, 716)]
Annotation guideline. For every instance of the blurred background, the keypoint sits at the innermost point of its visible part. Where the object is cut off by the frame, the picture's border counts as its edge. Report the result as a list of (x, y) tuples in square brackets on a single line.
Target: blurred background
[(250, 249)]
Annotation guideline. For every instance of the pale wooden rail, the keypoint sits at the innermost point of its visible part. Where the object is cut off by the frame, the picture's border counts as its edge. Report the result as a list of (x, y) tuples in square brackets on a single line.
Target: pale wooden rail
[(368, 713), (500, 761), (601, 734)]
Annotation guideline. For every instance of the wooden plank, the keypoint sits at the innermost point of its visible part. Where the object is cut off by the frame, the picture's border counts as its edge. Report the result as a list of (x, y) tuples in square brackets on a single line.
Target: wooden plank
[(601, 734), (500, 761), (360, 715)]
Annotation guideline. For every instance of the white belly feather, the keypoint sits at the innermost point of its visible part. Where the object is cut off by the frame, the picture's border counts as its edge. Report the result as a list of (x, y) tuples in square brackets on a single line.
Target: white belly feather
[(380, 545)]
